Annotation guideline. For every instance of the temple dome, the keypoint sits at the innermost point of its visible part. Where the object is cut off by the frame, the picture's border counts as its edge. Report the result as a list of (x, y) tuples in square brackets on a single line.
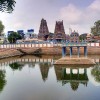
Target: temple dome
[(74, 37), (74, 34)]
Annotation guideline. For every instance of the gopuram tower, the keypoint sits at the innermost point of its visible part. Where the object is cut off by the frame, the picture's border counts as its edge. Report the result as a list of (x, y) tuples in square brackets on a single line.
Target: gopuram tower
[(59, 33), (43, 31)]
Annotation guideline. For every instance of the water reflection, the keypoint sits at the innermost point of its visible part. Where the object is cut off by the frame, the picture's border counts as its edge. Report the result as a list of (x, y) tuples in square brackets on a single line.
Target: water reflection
[(16, 66), (38, 79), (2, 79), (44, 69), (74, 76), (96, 73)]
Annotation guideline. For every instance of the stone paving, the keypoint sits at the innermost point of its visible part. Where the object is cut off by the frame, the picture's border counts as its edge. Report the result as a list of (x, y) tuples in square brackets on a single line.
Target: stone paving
[(74, 60)]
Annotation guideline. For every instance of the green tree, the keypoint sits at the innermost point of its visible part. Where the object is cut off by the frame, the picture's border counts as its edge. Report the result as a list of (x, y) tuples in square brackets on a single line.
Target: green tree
[(1, 27), (7, 5), (13, 37), (16, 66), (2, 80), (95, 30), (96, 73), (83, 36)]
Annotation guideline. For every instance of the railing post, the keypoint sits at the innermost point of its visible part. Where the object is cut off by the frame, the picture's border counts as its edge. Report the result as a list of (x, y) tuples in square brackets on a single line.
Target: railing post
[(71, 51), (78, 51), (85, 51)]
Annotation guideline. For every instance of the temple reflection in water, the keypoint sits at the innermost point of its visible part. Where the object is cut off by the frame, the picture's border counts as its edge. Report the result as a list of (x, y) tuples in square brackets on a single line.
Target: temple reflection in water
[(74, 76), (44, 69)]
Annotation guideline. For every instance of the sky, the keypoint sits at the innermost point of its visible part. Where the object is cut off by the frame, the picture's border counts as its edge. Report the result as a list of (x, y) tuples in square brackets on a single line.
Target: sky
[(79, 15)]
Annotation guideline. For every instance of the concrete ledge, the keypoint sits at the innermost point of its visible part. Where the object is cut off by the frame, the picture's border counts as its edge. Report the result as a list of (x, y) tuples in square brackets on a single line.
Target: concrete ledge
[(9, 53), (73, 61)]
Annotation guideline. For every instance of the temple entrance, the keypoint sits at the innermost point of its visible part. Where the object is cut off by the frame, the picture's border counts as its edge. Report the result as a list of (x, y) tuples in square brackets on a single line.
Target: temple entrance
[(46, 37), (59, 40)]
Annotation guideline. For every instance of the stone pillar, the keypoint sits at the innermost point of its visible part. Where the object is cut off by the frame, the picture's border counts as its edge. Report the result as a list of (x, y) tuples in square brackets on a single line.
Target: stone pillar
[(63, 51), (85, 51), (85, 71), (71, 51), (78, 51), (71, 73), (78, 73), (63, 72)]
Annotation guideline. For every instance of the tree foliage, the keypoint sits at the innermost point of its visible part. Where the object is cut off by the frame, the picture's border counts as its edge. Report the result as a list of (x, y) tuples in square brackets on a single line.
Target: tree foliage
[(83, 36), (1, 27), (95, 30), (7, 5), (13, 37), (96, 73), (16, 66), (2, 80)]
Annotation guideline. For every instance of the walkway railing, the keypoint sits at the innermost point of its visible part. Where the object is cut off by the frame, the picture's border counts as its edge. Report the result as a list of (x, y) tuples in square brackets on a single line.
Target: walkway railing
[(31, 45), (25, 45), (74, 44)]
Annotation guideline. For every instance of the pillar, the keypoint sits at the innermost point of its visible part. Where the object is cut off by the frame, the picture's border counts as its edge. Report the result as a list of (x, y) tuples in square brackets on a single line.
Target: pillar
[(85, 51), (63, 51), (63, 72), (78, 73), (78, 51), (71, 51), (85, 71), (71, 73)]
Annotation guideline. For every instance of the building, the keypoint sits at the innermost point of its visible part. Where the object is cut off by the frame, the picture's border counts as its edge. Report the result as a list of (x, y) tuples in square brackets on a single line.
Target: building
[(59, 33), (96, 38), (9, 32), (30, 32), (3, 38), (43, 31), (67, 38), (74, 37), (21, 33), (89, 37), (51, 36)]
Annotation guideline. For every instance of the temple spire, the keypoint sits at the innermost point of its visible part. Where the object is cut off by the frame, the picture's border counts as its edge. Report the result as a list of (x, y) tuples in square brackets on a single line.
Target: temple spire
[(43, 31)]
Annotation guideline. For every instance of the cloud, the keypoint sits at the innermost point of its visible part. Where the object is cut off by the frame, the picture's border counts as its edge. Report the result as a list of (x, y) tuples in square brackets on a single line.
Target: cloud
[(70, 14), (95, 6), (29, 15), (82, 18)]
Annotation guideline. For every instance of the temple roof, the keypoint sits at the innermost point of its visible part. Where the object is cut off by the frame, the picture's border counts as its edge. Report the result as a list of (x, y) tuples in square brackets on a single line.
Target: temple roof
[(75, 33)]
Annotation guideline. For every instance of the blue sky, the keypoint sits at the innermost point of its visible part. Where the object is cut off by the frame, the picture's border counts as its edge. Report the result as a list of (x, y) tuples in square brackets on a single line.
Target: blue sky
[(79, 15)]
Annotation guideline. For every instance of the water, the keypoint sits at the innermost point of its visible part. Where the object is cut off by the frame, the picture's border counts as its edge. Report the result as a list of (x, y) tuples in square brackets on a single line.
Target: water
[(33, 78)]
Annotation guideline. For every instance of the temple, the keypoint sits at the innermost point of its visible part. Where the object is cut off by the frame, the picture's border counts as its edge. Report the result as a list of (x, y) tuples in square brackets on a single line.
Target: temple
[(59, 33), (43, 31), (74, 37)]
